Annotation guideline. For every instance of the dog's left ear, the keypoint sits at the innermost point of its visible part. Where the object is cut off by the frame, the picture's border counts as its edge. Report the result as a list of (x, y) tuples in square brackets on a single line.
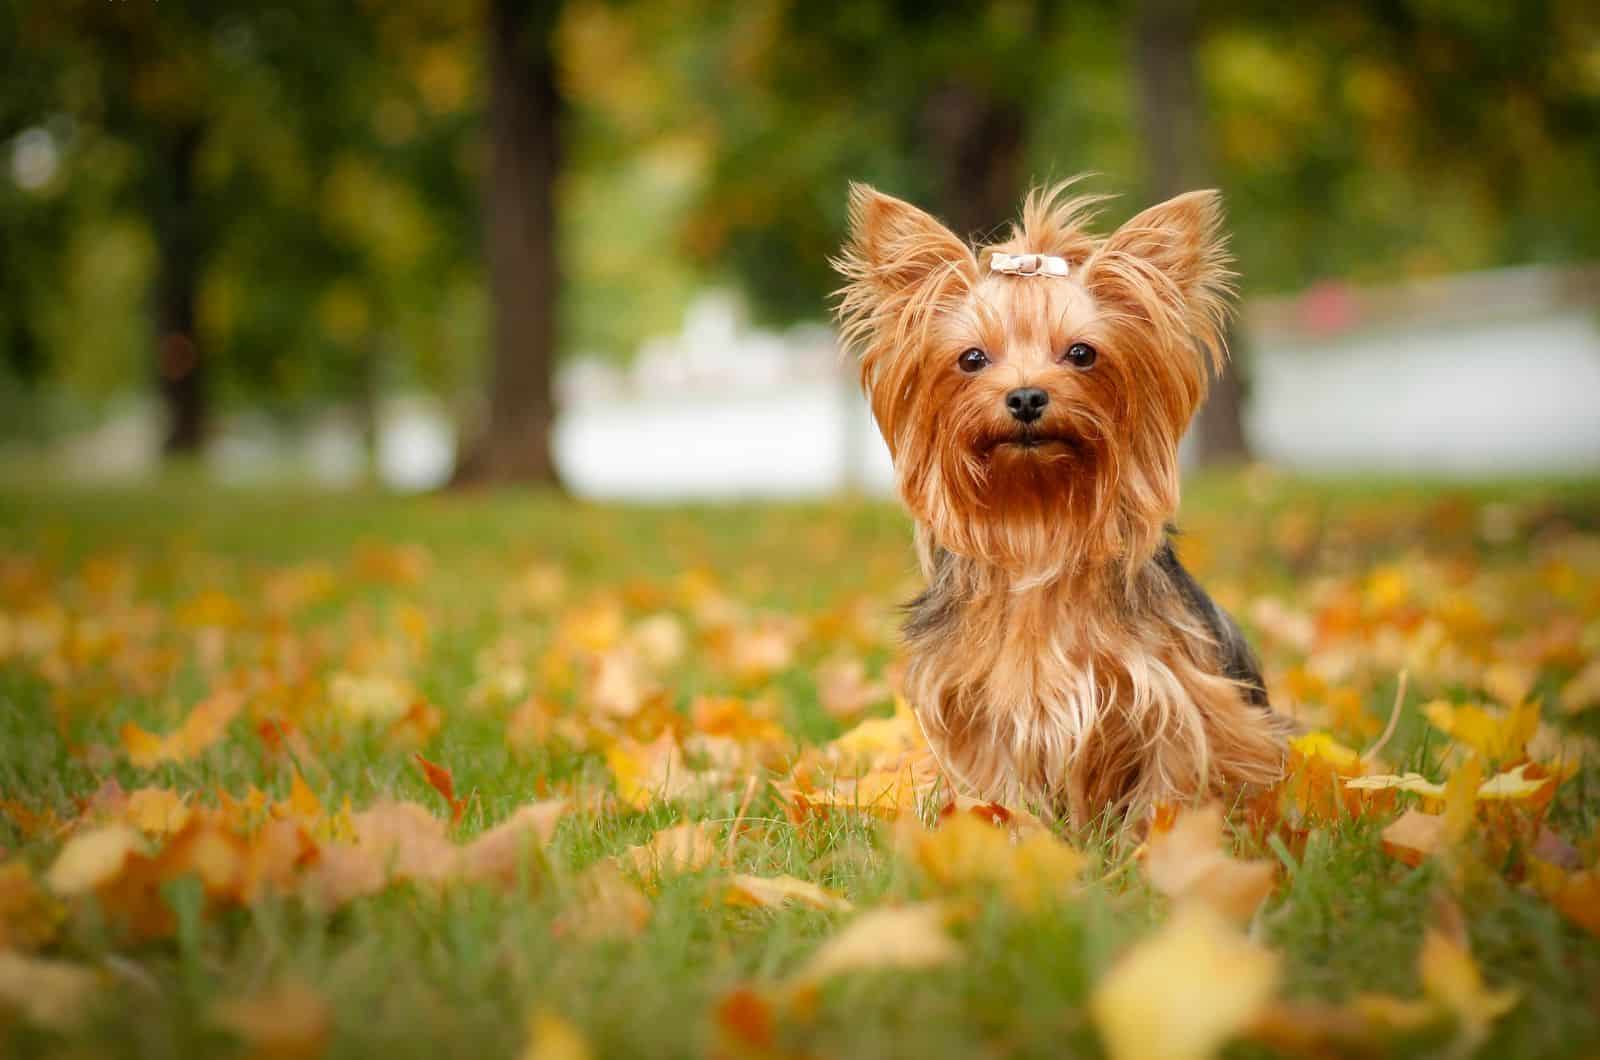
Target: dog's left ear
[(1183, 239)]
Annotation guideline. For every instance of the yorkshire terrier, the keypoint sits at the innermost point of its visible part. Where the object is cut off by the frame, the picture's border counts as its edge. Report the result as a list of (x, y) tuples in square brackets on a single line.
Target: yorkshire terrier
[(1032, 394)]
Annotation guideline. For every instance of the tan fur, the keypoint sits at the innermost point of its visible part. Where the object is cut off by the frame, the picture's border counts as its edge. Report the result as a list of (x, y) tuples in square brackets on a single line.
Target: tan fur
[(1064, 666)]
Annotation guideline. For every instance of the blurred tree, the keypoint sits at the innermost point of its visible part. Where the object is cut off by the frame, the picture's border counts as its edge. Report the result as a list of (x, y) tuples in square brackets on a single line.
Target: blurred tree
[(524, 118), (1178, 158)]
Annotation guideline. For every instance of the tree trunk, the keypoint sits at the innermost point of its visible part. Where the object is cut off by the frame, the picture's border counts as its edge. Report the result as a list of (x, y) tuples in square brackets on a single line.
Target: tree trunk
[(978, 143), (1166, 37), (520, 237), (180, 368)]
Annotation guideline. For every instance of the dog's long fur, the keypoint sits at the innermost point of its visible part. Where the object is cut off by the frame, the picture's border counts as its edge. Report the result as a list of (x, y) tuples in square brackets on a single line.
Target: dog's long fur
[(1061, 653)]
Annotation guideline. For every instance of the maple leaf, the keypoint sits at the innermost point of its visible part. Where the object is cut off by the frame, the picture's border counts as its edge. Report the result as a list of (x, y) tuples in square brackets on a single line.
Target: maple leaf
[(1186, 862), (905, 937), (687, 847), (775, 892), (605, 905), (1414, 836), (92, 859), (646, 772), (1182, 992), (497, 854), (202, 728), (1497, 736), (289, 1021), (1452, 980), (440, 779), (967, 850)]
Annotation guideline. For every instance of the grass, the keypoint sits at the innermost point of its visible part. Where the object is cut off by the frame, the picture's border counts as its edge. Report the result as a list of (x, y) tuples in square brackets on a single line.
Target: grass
[(417, 972)]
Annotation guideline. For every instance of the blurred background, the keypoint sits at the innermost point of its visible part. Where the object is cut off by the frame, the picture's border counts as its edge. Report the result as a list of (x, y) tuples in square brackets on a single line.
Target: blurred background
[(586, 242)]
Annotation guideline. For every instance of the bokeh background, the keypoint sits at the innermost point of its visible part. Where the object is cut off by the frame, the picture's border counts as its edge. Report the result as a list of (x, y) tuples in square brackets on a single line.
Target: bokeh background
[(586, 241)]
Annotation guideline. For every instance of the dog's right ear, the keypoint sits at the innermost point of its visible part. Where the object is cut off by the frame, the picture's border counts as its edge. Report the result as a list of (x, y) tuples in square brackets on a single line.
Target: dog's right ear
[(893, 246)]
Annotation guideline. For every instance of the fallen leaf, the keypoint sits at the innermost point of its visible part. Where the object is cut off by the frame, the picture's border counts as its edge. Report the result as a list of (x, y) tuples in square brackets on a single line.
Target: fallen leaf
[(775, 892), (29, 916), (687, 847), (905, 937), (1414, 836), (440, 779), (1187, 862), (91, 859), (551, 1037), (1182, 992), (745, 1022), (289, 1021), (48, 993), (1497, 736), (967, 850), (1452, 980), (496, 855), (605, 905)]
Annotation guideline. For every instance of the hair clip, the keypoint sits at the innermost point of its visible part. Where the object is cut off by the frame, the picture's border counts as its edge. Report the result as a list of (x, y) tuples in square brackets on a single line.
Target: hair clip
[(1028, 264)]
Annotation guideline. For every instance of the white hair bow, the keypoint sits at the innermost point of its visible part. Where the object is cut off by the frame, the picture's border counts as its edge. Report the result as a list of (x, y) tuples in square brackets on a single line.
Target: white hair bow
[(1028, 264)]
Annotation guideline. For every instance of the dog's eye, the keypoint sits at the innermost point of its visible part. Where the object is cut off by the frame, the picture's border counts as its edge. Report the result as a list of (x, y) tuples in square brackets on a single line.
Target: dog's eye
[(1080, 355), (973, 360)]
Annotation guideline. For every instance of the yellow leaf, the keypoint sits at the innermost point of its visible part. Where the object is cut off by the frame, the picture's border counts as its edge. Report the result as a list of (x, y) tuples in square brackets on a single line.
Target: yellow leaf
[(605, 906), (906, 937), (156, 811), (1181, 993), (1461, 801), (1451, 979), (550, 1037), (1583, 691), (966, 850), (1323, 747), (91, 859), (145, 749), (1508, 682), (1497, 736), (495, 855), (303, 802), (775, 892), (1187, 862)]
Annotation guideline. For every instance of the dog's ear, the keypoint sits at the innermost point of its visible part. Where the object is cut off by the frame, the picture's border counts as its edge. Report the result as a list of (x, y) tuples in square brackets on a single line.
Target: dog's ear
[(1183, 241), (893, 246)]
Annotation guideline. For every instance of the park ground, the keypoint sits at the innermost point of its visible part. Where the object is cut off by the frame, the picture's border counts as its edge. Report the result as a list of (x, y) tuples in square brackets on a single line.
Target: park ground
[(296, 774)]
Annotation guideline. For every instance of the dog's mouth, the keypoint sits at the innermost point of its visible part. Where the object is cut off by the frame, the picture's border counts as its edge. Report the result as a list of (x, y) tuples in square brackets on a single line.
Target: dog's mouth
[(1039, 443)]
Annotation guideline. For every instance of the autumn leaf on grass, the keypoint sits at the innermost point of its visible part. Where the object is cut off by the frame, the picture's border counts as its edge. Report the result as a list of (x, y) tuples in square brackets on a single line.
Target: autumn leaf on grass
[(156, 811), (1577, 897), (29, 915), (910, 936), (551, 1037), (1452, 980), (1187, 862), (605, 905), (1414, 836), (393, 840), (775, 892), (646, 772), (967, 850), (290, 1021), (48, 993), (745, 1023), (203, 726), (1582, 692), (1182, 992), (1497, 735), (441, 780), (496, 854), (1526, 783), (91, 859), (687, 847)]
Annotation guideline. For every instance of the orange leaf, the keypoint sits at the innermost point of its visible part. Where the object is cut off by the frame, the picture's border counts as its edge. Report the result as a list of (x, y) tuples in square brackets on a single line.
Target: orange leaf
[(444, 783)]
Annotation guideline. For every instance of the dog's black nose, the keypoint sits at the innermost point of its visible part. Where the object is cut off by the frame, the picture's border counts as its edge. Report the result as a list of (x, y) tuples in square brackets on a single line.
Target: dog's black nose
[(1027, 403)]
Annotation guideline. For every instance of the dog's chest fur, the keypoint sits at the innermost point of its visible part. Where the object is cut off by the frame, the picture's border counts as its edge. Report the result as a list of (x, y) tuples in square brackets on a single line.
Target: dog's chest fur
[(1084, 696)]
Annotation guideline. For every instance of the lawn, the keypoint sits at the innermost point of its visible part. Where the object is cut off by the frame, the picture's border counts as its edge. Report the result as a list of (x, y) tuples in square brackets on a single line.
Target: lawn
[(251, 744)]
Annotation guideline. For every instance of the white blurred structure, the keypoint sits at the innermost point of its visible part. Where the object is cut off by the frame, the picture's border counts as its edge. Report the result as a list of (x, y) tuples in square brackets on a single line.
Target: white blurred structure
[(1488, 373)]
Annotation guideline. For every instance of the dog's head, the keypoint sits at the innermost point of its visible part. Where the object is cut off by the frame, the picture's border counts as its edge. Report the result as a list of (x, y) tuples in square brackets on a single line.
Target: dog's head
[(1033, 392)]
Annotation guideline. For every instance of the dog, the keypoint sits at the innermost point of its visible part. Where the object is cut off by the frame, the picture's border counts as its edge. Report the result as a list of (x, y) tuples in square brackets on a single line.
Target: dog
[(1032, 394)]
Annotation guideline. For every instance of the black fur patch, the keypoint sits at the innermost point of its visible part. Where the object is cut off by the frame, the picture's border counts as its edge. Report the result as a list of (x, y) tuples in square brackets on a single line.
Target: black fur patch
[(1238, 660)]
